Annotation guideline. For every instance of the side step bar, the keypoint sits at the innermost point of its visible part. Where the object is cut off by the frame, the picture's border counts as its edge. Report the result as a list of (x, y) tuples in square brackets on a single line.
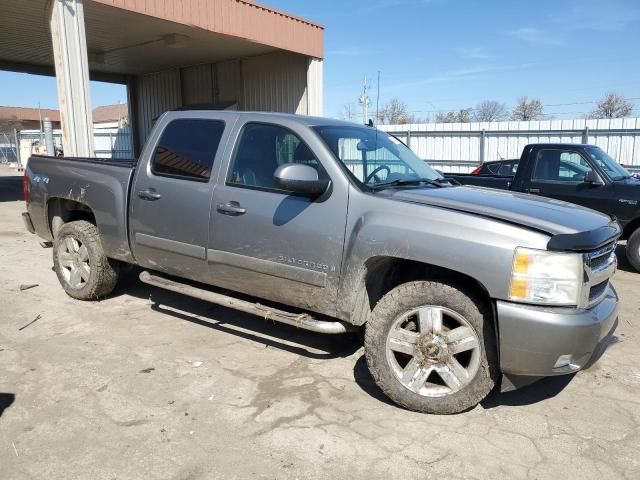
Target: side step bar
[(301, 320)]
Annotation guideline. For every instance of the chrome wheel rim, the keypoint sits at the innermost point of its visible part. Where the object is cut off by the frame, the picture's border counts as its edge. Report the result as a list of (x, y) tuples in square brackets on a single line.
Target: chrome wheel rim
[(433, 351), (73, 258)]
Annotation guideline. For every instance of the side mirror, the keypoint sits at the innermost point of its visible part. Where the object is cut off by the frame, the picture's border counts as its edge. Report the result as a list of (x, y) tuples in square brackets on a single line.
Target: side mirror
[(300, 178), (593, 179)]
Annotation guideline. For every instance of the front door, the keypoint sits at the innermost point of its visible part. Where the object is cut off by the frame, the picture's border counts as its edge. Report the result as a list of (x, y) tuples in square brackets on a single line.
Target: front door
[(560, 174), (272, 243), (171, 198)]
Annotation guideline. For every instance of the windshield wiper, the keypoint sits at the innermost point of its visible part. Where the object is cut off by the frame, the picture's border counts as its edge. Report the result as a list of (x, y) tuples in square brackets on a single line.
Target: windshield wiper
[(409, 181)]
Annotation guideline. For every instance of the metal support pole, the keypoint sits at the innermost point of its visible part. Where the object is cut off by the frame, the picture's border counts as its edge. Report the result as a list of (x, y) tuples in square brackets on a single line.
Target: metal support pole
[(72, 75), (17, 138), (483, 137), (409, 138), (585, 135), (48, 137)]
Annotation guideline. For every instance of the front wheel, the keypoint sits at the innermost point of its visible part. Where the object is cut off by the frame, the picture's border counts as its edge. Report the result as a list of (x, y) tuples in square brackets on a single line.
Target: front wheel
[(431, 347), (633, 250), (79, 261)]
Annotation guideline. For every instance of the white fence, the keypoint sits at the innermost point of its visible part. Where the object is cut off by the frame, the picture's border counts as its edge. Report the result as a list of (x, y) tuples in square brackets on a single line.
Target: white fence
[(109, 143), (460, 147)]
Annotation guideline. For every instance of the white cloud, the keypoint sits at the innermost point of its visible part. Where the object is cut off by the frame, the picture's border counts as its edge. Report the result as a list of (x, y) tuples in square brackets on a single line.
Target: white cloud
[(350, 51), (474, 52), (599, 16), (453, 75), (536, 36)]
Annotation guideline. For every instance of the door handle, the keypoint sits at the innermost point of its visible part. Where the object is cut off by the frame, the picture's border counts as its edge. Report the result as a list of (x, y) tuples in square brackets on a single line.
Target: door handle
[(150, 194), (231, 208), (534, 190)]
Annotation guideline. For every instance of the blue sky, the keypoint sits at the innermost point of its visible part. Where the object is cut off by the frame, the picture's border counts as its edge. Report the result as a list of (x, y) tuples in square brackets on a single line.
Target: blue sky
[(450, 54)]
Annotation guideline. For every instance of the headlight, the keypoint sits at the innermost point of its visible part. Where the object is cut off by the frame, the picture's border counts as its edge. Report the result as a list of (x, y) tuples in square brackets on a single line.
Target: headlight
[(546, 278)]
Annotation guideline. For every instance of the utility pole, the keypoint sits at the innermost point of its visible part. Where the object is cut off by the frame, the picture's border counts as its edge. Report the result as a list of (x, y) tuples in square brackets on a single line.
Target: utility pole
[(40, 120), (364, 101)]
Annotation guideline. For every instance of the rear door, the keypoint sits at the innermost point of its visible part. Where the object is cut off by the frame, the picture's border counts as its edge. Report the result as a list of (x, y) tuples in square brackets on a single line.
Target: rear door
[(560, 173), (171, 197), (269, 242)]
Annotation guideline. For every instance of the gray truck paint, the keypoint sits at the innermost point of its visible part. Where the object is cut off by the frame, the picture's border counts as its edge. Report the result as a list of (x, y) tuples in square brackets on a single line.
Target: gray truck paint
[(314, 253)]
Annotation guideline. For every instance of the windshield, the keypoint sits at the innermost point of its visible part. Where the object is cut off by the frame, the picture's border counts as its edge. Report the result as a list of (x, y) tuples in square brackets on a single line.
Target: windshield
[(373, 157), (608, 164)]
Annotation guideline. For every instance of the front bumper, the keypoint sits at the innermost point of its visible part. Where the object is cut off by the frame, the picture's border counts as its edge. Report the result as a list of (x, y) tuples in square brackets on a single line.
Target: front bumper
[(28, 224), (532, 339)]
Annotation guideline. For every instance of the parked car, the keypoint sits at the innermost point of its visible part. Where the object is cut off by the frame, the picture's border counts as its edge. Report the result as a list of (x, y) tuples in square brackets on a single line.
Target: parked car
[(580, 174), (335, 226), (497, 167)]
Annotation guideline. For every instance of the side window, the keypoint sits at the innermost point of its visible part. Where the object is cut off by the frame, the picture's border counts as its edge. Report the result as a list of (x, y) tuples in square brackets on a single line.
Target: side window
[(187, 148), (262, 148), (493, 168), (560, 166)]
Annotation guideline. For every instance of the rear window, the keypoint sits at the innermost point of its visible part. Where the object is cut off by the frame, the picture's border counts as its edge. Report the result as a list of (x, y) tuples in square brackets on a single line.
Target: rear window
[(187, 148)]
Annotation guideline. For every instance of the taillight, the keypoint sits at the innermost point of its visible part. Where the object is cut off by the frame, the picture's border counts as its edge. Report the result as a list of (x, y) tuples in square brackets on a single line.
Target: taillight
[(476, 171), (25, 188)]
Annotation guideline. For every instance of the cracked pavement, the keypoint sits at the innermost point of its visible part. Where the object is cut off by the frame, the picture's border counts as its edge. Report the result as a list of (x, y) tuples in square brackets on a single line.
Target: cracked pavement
[(148, 384)]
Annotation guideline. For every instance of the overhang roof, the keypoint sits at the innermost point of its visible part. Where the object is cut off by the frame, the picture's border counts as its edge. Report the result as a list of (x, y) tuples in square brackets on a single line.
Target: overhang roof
[(28, 114), (129, 37), (101, 114)]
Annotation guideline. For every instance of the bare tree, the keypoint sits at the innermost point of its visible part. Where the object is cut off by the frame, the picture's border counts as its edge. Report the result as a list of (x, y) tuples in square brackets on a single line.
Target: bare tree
[(395, 112), (528, 109), (612, 106), (461, 116), (348, 111), (490, 111)]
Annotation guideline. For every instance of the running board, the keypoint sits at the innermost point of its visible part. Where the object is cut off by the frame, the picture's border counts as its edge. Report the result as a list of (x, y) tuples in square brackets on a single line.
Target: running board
[(301, 320)]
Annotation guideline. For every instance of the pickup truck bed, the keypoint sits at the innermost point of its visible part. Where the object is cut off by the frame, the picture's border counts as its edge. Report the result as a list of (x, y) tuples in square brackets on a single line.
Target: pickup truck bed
[(502, 182), (91, 187)]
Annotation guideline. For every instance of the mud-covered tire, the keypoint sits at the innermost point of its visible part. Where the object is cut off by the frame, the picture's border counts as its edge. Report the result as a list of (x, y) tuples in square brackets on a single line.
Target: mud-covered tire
[(99, 274), (454, 302), (633, 250)]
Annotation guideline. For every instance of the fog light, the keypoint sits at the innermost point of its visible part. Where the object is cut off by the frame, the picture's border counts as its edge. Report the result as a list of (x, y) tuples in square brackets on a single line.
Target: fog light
[(563, 361)]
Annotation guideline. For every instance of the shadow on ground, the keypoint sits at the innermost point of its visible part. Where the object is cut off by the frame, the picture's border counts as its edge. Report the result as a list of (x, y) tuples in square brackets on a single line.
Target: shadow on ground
[(239, 324), (11, 188), (301, 342), (6, 399), (536, 392)]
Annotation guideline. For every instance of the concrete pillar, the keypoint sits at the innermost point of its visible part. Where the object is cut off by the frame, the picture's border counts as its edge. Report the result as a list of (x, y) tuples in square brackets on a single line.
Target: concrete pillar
[(314, 86), (72, 76)]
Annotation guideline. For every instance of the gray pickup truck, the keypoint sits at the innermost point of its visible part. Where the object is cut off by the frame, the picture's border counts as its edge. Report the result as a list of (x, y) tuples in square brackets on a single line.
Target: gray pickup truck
[(335, 226)]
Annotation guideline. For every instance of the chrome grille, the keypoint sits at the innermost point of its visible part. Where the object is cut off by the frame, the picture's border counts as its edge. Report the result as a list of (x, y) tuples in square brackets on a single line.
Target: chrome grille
[(599, 259), (599, 267)]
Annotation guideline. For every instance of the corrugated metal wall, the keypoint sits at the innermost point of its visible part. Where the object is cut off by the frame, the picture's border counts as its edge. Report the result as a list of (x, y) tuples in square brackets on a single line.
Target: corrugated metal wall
[(155, 94), (275, 82), (459, 147), (315, 89)]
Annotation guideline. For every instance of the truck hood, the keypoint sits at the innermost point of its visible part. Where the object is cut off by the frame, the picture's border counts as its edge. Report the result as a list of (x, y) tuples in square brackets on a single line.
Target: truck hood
[(538, 213)]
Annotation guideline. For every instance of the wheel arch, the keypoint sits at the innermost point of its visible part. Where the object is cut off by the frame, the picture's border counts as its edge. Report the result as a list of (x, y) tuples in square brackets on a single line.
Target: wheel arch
[(630, 227), (381, 274), (63, 210)]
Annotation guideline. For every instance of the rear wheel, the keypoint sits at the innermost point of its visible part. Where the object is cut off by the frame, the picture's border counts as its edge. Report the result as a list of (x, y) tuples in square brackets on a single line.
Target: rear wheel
[(82, 268), (633, 249), (431, 348)]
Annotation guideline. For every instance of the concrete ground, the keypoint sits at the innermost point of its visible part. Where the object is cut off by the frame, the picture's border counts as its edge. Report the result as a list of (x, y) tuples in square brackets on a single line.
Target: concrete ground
[(151, 385)]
